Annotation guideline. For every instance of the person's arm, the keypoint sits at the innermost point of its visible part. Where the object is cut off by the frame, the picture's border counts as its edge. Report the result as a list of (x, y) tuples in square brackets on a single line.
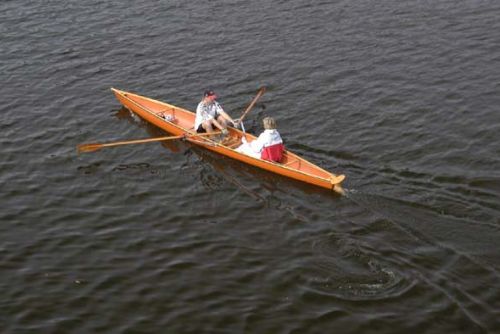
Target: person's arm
[(221, 111)]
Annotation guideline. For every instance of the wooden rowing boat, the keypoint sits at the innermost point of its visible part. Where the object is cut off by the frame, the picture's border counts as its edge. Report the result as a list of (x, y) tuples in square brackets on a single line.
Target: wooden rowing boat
[(179, 121)]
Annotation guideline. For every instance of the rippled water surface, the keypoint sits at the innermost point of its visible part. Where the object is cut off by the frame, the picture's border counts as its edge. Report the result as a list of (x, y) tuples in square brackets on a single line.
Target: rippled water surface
[(401, 96)]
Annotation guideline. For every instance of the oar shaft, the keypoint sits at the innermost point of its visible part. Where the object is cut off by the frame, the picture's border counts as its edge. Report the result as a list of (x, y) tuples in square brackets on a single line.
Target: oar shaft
[(96, 146), (250, 106), (140, 141)]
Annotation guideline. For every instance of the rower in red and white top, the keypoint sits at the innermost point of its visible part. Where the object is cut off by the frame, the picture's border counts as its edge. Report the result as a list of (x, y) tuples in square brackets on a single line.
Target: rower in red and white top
[(268, 146)]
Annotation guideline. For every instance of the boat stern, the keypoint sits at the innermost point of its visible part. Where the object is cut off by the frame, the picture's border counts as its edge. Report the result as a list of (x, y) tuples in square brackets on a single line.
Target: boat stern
[(336, 181)]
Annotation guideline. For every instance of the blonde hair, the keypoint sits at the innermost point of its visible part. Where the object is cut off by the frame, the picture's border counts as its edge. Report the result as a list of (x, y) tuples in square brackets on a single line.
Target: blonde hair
[(269, 123)]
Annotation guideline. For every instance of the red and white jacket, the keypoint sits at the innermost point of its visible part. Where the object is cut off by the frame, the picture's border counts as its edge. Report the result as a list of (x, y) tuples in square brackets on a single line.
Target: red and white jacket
[(270, 145)]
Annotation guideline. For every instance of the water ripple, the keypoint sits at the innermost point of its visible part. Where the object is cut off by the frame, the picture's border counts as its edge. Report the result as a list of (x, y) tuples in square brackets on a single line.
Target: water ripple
[(344, 270), (400, 96)]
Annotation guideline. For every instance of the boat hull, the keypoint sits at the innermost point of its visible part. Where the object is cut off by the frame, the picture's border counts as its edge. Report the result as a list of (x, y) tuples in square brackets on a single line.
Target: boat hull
[(179, 121)]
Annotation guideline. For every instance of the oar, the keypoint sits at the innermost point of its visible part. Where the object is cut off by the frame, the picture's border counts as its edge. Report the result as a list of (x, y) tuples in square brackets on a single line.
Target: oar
[(97, 146), (261, 91)]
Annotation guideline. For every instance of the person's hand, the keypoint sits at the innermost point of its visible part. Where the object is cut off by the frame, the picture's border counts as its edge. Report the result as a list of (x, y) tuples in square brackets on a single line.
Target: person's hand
[(244, 139), (224, 131), (236, 122)]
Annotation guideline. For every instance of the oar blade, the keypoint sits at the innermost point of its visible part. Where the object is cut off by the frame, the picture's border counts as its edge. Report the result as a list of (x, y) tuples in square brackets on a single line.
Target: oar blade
[(86, 148)]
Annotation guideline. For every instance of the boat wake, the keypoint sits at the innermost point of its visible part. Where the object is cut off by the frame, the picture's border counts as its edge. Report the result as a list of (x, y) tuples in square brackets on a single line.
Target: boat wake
[(347, 269)]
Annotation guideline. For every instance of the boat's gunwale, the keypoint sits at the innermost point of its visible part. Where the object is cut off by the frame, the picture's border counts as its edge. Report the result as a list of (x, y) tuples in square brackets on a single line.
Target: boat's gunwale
[(212, 143)]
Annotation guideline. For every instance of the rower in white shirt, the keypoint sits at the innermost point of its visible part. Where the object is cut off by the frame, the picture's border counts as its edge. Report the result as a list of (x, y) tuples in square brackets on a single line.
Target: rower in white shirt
[(210, 115)]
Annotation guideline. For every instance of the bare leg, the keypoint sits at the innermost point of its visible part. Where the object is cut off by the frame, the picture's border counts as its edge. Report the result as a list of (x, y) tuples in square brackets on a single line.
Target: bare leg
[(207, 125), (210, 124), (222, 121)]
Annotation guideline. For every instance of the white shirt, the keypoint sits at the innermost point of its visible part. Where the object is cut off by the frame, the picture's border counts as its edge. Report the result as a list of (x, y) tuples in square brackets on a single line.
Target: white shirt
[(267, 138), (206, 111), (254, 148)]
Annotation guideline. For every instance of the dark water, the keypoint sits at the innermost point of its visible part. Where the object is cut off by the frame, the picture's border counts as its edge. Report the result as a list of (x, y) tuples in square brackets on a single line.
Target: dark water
[(401, 96)]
